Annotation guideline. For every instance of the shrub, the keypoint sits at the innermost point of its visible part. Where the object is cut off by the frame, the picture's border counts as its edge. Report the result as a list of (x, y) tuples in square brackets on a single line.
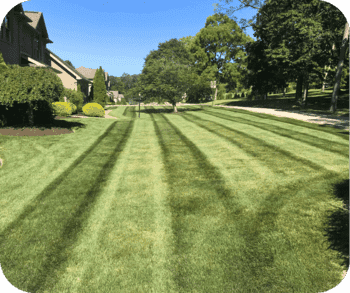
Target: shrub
[(123, 102), (31, 88), (63, 108), (94, 109), (74, 108), (74, 97)]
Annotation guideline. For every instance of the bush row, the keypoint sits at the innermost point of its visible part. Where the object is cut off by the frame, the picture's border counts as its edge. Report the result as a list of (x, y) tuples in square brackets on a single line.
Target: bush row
[(67, 109)]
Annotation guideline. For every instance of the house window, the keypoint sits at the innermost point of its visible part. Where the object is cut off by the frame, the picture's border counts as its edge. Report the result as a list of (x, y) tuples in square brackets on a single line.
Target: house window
[(5, 33)]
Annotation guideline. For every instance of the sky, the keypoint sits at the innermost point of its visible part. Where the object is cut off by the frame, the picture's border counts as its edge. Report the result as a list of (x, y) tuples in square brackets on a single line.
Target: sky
[(118, 35)]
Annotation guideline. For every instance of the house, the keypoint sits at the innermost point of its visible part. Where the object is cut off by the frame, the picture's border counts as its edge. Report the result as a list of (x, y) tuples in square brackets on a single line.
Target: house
[(89, 74), (116, 96), (23, 39)]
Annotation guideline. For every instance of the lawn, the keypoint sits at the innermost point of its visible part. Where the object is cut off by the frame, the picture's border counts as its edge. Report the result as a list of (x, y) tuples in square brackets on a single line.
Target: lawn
[(206, 200)]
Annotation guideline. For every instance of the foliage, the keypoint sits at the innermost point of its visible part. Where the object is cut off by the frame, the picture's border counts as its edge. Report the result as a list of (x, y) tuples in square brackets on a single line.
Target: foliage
[(63, 108), (28, 84), (219, 50), (79, 91), (221, 91), (3, 65), (94, 109), (167, 73), (298, 38), (69, 63), (100, 91), (117, 84), (75, 97)]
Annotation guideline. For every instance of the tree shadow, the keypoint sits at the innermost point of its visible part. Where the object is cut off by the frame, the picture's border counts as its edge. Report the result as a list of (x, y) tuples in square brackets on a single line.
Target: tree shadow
[(55, 123), (337, 227), (166, 111)]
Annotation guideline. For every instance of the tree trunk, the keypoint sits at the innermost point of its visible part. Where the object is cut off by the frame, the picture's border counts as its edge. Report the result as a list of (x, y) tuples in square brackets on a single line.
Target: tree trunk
[(299, 89), (306, 91), (284, 92), (174, 106), (30, 114), (339, 69), (325, 76)]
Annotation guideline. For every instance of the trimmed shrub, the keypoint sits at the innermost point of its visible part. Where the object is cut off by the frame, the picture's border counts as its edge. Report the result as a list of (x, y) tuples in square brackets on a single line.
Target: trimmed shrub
[(94, 110), (63, 108), (31, 88)]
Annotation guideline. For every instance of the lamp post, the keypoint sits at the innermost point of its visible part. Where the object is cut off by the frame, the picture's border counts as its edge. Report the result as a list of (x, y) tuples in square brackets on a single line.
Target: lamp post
[(139, 100)]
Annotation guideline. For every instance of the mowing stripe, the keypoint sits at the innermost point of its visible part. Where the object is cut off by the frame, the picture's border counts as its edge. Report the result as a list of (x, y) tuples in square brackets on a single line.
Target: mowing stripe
[(292, 121), (116, 245), (276, 162), (308, 138), (49, 245), (197, 192)]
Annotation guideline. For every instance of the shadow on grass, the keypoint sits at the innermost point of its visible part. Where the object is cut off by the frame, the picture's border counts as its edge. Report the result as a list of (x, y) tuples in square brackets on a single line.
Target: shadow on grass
[(316, 102), (337, 229), (166, 110), (56, 123)]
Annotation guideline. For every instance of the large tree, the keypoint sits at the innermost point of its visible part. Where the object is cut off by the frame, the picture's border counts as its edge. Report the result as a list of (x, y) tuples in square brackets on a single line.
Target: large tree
[(344, 46), (117, 84), (298, 37), (219, 48), (167, 73)]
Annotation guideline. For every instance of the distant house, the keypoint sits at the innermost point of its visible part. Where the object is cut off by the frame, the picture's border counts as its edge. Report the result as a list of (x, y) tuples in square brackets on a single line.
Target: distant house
[(115, 96), (89, 74), (23, 39)]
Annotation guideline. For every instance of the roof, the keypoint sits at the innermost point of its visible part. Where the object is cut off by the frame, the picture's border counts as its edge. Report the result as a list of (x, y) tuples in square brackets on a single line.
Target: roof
[(35, 18), (65, 64), (89, 73)]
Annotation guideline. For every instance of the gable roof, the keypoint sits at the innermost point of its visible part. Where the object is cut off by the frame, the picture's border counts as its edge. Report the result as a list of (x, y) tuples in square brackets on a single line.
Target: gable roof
[(68, 67), (90, 73), (37, 22), (18, 10)]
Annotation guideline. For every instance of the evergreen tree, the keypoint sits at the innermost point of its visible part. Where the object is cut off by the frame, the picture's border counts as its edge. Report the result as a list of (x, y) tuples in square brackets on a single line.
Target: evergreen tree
[(100, 91)]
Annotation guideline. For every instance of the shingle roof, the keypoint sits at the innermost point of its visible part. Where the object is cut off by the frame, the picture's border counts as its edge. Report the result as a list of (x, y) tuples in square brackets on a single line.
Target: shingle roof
[(71, 68), (89, 73), (35, 19), (34, 16)]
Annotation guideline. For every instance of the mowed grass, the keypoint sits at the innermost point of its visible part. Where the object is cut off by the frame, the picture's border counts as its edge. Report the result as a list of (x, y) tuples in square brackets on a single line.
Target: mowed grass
[(206, 200)]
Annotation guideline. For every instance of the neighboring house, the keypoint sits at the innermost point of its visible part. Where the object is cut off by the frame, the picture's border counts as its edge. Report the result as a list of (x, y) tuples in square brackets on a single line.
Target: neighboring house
[(116, 96), (70, 77), (23, 39), (90, 74)]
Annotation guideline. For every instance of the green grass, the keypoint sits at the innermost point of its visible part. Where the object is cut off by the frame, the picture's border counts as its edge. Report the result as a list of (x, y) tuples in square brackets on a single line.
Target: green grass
[(206, 200)]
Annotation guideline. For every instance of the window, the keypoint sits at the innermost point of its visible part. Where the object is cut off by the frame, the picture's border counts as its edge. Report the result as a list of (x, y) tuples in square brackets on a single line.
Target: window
[(5, 33)]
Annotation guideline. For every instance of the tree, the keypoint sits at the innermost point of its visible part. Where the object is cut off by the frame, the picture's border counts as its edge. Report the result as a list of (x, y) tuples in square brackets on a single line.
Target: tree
[(69, 63), (117, 84), (99, 88), (297, 38), (343, 47), (219, 49), (166, 73)]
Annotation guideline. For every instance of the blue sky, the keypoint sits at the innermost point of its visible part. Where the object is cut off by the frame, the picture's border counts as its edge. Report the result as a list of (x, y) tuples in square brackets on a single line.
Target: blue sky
[(118, 35)]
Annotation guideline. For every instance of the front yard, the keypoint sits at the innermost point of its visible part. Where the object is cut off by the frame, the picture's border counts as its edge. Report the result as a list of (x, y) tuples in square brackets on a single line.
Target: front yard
[(206, 200)]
